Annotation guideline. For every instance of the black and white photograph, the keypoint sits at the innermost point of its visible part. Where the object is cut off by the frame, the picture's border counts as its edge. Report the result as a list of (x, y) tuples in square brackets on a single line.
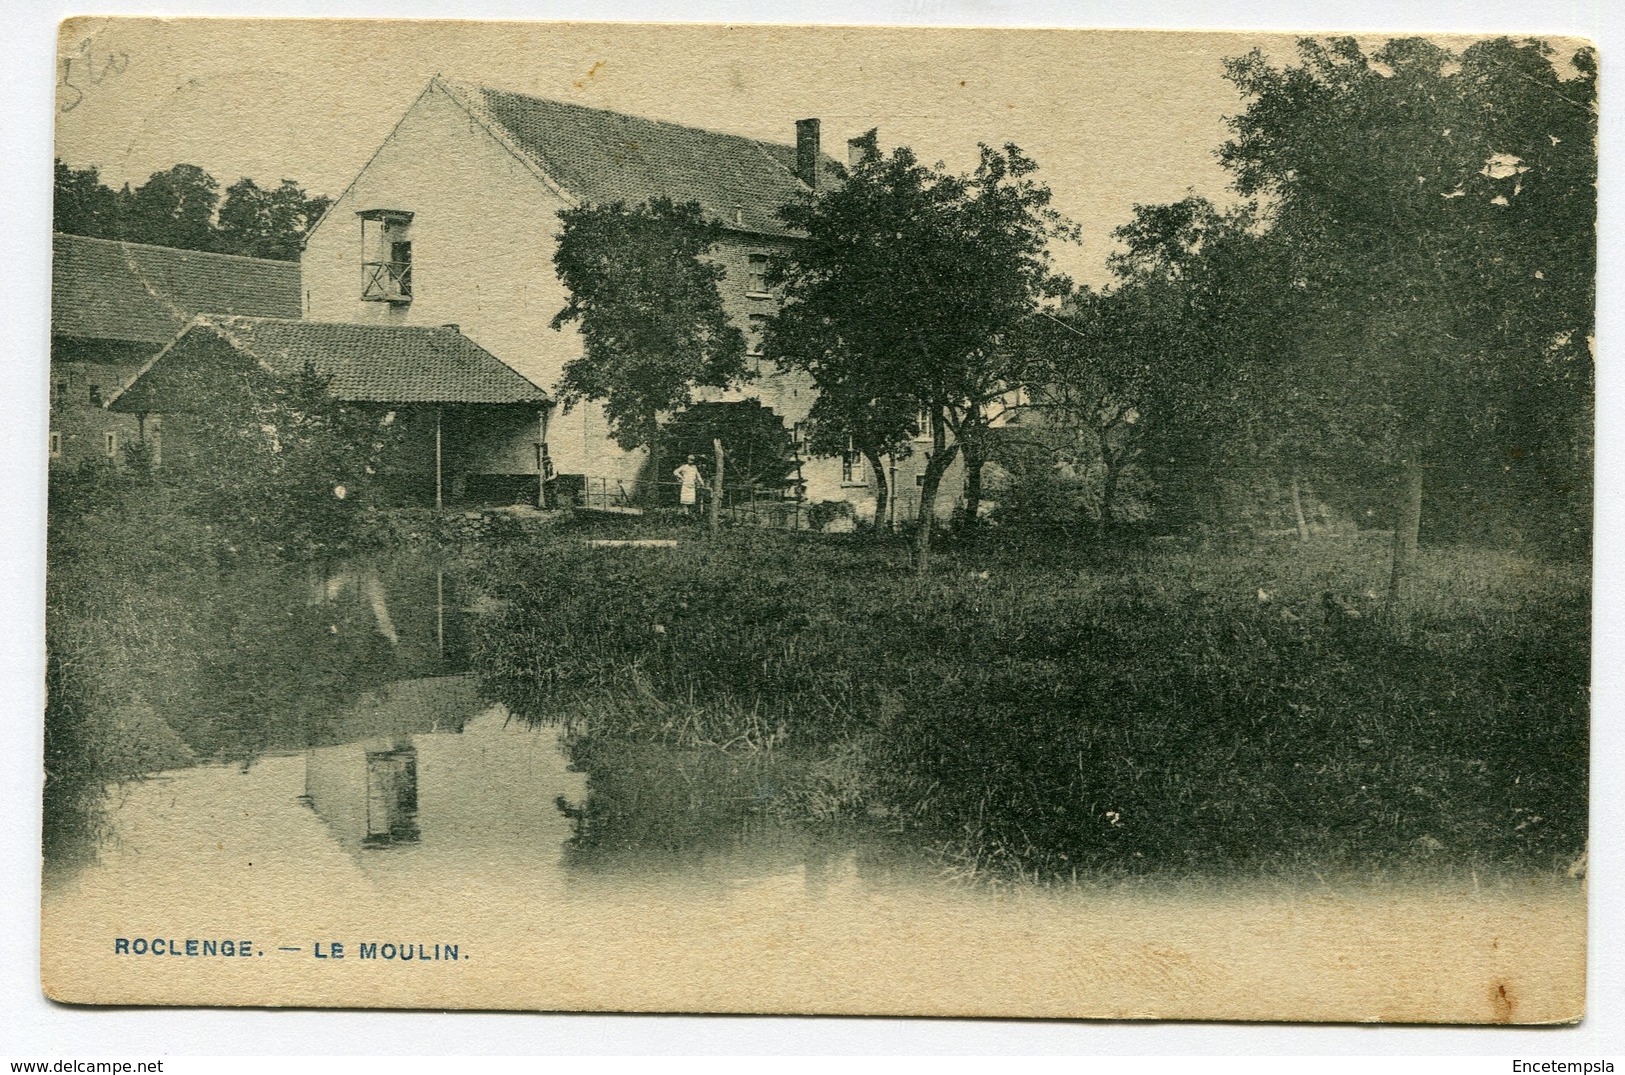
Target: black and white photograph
[(699, 518)]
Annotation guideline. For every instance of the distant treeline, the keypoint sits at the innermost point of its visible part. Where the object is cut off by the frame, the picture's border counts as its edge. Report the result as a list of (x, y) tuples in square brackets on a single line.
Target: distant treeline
[(183, 207)]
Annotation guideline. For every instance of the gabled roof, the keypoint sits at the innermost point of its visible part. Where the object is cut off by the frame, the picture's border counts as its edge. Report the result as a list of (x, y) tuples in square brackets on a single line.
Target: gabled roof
[(101, 289), (367, 363), (596, 156)]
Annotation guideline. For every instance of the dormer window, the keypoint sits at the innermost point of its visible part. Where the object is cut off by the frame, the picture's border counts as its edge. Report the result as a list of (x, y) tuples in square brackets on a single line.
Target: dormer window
[(386, 255)]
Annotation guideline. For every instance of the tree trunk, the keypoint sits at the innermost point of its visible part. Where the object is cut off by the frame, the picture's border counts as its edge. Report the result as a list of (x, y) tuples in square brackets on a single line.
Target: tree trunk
[(973, 489), (1407, 526), (882, 487), (942, 456), (651, 495), (1108, 492), (1297, 509), (717, 486), (891, 503)]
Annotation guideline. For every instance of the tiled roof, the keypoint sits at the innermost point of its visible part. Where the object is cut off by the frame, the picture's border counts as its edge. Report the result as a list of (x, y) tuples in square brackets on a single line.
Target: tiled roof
[(108, 290), (598, 157), (371, 363)]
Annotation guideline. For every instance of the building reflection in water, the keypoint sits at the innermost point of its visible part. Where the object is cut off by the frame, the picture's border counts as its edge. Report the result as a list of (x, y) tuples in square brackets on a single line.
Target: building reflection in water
[(363, 779), (361, 765), (367, 792), (392, 793)]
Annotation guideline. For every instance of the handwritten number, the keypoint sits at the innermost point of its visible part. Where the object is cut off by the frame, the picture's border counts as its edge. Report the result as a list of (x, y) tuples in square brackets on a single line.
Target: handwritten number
[(115, 64)]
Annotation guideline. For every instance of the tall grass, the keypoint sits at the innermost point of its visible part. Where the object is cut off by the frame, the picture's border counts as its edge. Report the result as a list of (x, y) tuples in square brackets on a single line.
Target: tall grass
[(1043, 712)]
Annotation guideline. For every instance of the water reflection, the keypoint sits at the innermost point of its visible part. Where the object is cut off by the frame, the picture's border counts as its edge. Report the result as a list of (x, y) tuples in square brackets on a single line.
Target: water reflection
[(341, 694), (363, 595), (714, 818), (653, 809)]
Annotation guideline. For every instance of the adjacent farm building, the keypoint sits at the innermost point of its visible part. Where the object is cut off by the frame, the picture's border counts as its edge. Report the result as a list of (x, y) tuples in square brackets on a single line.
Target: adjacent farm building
[(472, 429), (114, 305)]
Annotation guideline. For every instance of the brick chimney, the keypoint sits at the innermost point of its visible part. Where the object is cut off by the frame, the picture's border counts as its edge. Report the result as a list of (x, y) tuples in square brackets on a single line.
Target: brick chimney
[(807, 151)]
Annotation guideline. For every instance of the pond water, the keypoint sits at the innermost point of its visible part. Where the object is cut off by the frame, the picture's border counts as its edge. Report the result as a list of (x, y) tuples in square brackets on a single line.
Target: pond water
[(374, 798), (379, 763)]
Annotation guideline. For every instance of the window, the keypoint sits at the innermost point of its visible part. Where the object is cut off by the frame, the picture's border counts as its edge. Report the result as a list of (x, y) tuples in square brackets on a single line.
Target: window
[(386, 255), (852, 472), (62, 391), (111, 439), (95, 395), (756, 276), (56, 444)]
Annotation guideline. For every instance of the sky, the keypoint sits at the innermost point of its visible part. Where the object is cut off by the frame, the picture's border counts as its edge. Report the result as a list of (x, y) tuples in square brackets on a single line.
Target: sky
[(1113, 118)]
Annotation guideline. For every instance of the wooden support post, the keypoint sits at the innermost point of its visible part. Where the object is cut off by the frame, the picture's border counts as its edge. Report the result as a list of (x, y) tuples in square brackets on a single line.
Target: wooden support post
[(716, 492), (439, 499), (543, 462)]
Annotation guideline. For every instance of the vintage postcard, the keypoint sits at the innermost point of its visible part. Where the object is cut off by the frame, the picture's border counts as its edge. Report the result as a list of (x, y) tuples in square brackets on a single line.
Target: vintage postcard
[(1040, 523)]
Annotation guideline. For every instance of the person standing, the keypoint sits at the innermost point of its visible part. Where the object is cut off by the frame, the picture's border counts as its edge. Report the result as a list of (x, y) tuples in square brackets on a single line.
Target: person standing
[(690, 482)]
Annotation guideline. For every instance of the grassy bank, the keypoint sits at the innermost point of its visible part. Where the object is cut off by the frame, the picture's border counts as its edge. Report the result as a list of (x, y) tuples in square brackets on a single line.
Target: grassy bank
[(1172, 708)]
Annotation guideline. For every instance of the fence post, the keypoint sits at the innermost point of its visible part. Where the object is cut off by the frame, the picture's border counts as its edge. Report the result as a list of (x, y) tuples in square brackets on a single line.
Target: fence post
[(716, 494)]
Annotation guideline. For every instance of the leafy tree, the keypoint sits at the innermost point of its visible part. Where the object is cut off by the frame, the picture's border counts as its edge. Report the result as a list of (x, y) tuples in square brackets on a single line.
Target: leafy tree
[(279, 462), (83, 204), (172, 208), (1436, 216), (176, 208), (844, 417), (1081, 431), (267, 223), (759, 450), (1205, 334), (651, 319), (907, 292)]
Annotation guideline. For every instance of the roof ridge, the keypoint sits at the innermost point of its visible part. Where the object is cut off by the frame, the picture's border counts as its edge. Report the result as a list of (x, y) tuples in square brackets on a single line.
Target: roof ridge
[(464, 86), (432, 363), (480, 112), (174, 249), (342, 324), (209, 321)]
